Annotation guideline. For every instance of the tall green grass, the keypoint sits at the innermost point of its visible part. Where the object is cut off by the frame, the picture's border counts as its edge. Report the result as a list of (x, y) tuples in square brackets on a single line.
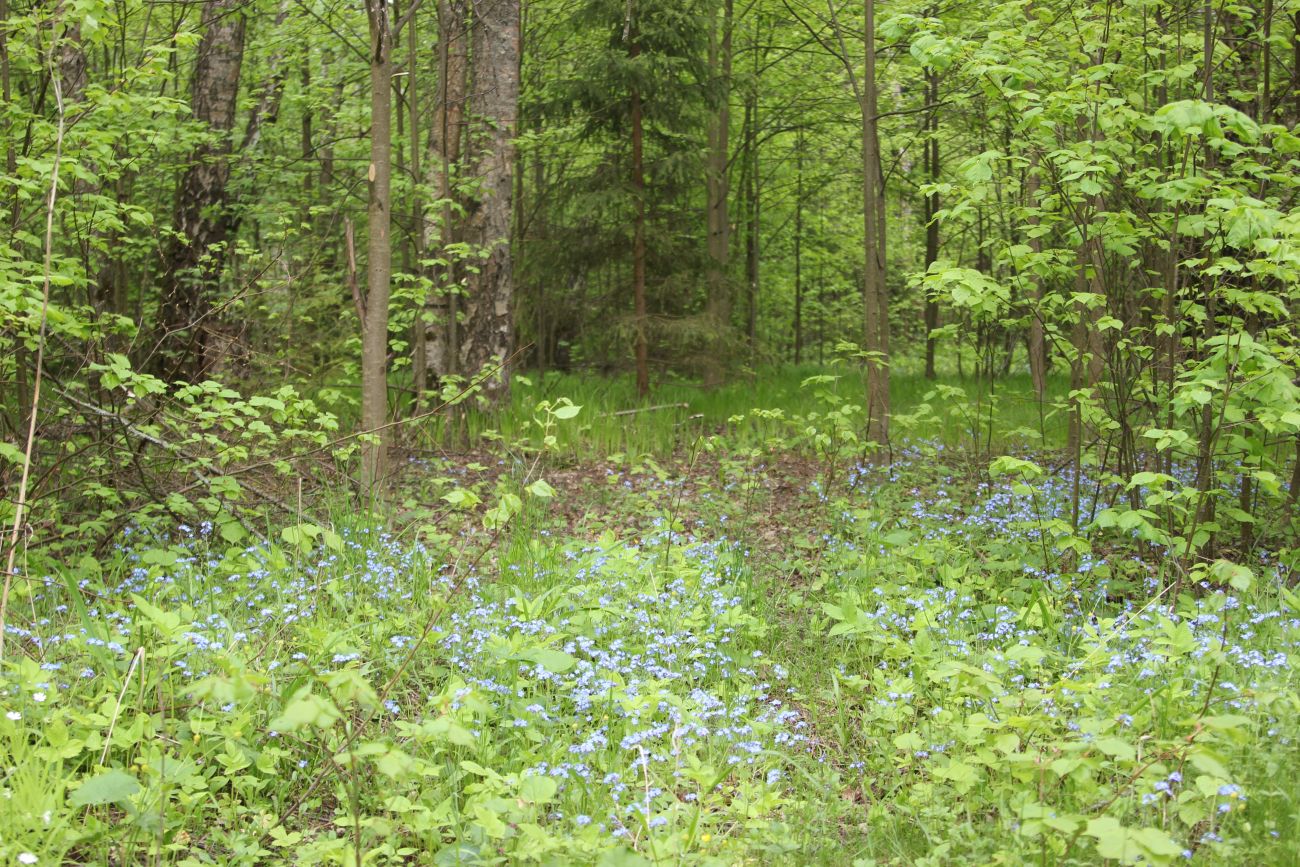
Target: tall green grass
[(678, 411)]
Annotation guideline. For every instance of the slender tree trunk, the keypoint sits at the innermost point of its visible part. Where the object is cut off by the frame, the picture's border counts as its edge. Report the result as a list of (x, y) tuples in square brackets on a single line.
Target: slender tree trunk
[(379, 248), (419, 350), (305, 213), (798, 247), (752, 192), (638, 228), (931, 214), (718, 305), (1295, 68), (1205, 445), (16, 422), (308, 149), (1037, 336), (73, 65), (875, 295), (442, 334), (489, 326), (1265, 107), (269, 93), (202, 221), (401, 80)]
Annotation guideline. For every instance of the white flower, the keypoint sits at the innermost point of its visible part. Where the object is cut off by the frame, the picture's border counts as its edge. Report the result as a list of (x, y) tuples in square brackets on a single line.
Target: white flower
[(38, 696), (27, 858), (14, 715)]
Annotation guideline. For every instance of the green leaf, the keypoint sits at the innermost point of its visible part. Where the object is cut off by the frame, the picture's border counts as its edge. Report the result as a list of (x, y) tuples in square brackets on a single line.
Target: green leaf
[(166, 622), (537, 789), (566, 411), (960, 774), (159, 557), (1117, 749), (307, 709), (622, 858), (109, 787), (462, 498), (233, 532), (1186, 116), (1156, 844), (909, 742), (1112, 837), (446, 728), (541, 489), (554, 661), (1235, 575)]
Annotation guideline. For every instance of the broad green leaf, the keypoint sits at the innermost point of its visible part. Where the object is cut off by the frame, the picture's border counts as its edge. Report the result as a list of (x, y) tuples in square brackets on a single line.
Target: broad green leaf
[(110, 787), (537, 789), (307, 709)]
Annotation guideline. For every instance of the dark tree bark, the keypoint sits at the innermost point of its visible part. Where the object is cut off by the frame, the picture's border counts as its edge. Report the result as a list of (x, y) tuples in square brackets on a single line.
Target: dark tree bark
[(73, 75), (441, 327), (931, 214), (489, 323), (202, 221), (72, 63), (638, 229)]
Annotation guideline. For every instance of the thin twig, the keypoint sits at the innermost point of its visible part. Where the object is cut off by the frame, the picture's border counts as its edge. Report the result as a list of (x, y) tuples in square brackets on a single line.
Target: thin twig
[(622, 412), (117, 709)]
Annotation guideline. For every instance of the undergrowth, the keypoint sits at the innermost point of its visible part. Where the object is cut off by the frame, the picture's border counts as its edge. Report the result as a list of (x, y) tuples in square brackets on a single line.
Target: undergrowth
[(776, 648)]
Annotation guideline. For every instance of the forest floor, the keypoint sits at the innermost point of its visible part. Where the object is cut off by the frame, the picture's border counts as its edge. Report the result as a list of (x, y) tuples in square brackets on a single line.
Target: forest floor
[(740, 653)]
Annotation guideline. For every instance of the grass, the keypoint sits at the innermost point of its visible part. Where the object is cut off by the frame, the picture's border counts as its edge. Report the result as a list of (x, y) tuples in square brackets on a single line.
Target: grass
[(960, 417)]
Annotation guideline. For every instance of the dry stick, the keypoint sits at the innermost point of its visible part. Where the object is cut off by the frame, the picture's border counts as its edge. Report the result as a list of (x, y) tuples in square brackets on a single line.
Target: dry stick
[(117, 709), (350, 242), (40, 355), (646, 409)]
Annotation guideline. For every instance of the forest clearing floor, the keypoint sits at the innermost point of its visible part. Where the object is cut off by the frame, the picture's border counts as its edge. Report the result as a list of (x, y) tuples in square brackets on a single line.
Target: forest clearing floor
[(744, 655)]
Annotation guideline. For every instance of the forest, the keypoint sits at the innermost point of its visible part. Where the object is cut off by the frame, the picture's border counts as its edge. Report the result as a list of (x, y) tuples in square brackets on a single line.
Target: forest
[(640, 432)]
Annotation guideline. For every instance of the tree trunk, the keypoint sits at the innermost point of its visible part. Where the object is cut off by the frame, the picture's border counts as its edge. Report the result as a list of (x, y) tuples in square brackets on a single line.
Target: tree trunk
[(379, 248), (73, 77), (269, 93), (16, 422), (931, 212), (202, 221), (1295, 68), (489, 325), (751, 217), (718, 305), (798, 247), (419, 352), (1037, 335), (1208, 434), (440, 313), (875, 295), (638, 229)]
